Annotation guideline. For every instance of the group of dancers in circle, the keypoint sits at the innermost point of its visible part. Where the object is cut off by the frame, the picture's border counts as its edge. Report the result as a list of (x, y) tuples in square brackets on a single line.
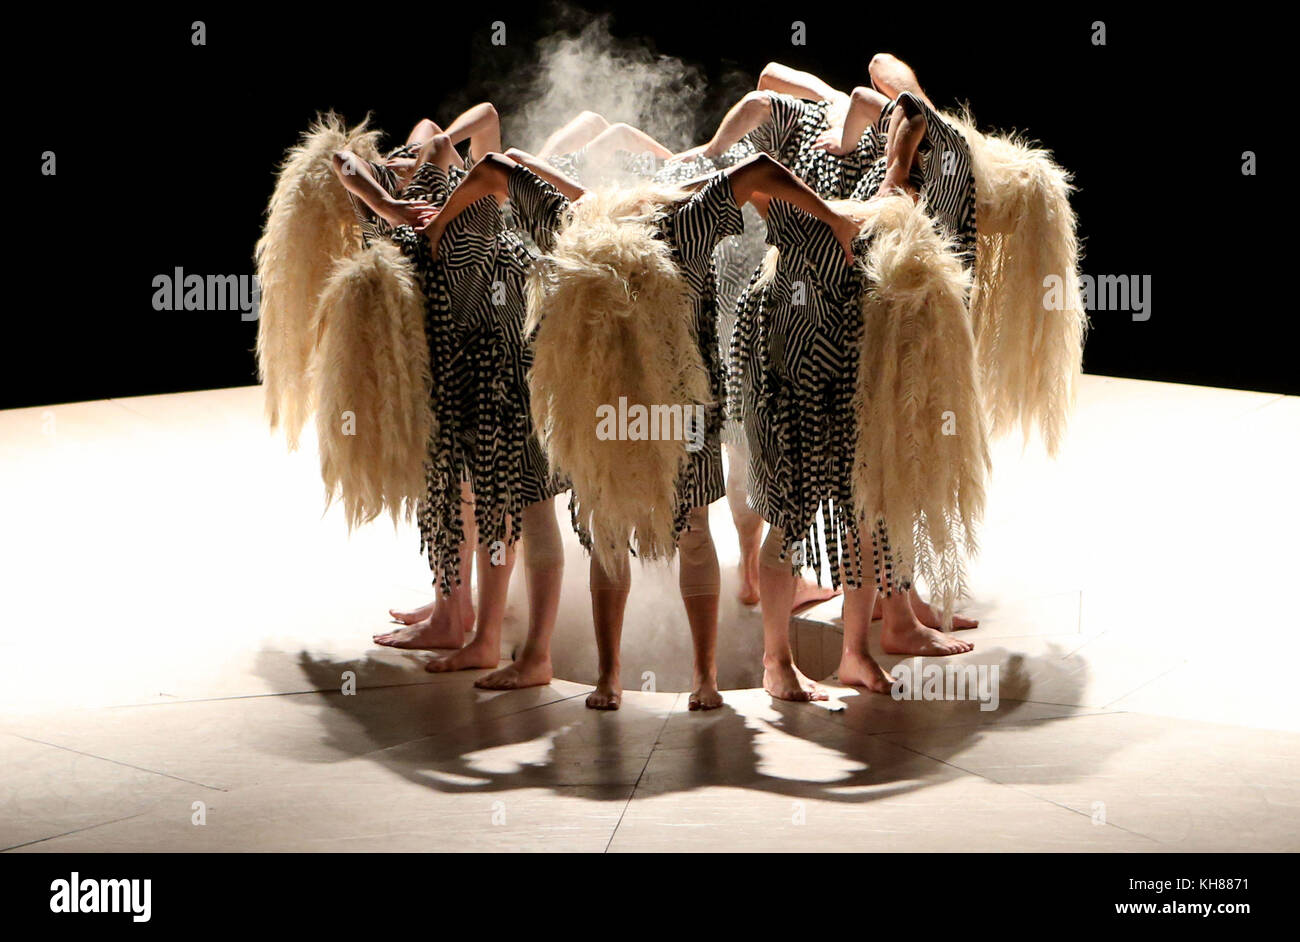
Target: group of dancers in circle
[(469, 314)]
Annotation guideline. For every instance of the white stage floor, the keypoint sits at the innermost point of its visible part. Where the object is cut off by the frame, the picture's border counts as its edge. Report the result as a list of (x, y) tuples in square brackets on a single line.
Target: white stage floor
[(176, 617)]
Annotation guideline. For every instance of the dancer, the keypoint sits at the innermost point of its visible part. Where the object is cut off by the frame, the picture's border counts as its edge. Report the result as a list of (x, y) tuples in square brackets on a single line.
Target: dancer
[(627, 250), (444, 622), (795, 366), (854, 145), (471, 269)]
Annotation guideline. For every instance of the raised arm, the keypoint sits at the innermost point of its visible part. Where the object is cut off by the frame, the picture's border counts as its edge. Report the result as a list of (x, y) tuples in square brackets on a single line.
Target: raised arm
[(571, 189), (489, 177), (354, 173), (760, 178)]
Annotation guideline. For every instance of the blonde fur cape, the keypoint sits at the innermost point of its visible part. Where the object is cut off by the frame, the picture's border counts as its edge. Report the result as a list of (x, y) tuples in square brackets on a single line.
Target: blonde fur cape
[(614, 319), (922, 450), (371, 384), (1026, 307), (309, 226)]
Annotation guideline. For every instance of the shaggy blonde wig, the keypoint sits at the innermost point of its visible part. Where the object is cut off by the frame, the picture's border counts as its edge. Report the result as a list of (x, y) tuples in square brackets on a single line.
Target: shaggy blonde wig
[(921, 459), (613, 319), (1026, 306), (371, 384), (309, 226)]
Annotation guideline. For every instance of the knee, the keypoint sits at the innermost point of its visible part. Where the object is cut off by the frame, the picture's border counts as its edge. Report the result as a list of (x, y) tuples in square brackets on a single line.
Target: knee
[(758, 103), (769, 74), (863, 96), (880, 67), (593, 119), (425, 129), (439, 148)]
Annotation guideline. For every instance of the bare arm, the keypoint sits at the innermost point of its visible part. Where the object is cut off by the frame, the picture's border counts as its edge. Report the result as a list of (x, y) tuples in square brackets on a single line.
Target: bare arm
[(761, 176), (354, 173), (488, 178)]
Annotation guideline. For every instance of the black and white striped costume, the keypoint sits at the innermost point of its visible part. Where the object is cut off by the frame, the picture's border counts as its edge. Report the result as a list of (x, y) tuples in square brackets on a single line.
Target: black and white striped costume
[(693, 228), (788, 137), (474, 317), (945, 176), (793, 372)]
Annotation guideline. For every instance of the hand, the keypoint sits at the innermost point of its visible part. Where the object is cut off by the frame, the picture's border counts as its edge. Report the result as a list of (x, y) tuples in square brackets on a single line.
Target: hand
[(414, 213), (846, 230), (832, 142)]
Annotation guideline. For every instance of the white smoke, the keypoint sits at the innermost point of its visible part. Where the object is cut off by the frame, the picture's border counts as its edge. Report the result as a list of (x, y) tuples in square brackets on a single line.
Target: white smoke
[(589, 69)]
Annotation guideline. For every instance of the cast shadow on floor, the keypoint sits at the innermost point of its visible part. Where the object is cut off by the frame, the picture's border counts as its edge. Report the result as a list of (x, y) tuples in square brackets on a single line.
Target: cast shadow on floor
[(441, 732)]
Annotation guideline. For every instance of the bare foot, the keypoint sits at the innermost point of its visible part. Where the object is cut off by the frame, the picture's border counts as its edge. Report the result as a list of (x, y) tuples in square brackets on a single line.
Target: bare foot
[(786, 682), (808, 593), (607, 695), (748, 593), (705, 696), (859, 669), (428, 627), (525, 672), (927, 616), (474, 656), (411, 617), (909, 636), (425, 635)]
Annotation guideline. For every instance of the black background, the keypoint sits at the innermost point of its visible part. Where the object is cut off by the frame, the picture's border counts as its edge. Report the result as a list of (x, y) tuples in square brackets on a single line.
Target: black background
[(166, 156)]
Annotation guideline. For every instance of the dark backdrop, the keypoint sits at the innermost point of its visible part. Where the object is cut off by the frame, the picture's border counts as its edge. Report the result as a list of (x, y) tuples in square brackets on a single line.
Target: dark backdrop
[(166, 154)]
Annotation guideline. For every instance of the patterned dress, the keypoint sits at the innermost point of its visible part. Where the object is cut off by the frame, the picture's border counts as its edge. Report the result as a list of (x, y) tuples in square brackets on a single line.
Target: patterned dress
[(788, 137), (474, 317), (693, 228), (793, 371), (943, 175)]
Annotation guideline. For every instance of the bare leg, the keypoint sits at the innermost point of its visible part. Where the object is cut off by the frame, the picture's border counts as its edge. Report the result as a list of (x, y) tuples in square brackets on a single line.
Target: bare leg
[(906, 131), (575, 135), (776, 585), (622, 136), (699, 583), (609, 593), (857, 667), (544, 570), (444, 622), (493, 581), (482, 126), (864, 108), (891, 76), (425, 129), (784, 80), (749, 525)]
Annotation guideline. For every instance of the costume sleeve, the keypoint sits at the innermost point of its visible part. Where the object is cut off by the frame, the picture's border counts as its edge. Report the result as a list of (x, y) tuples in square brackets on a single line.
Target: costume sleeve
[(772, 136), (538, 207), (708, 217)]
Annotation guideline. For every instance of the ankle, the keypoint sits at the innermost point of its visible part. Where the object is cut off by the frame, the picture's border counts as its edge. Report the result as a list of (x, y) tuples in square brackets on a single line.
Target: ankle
[(779, 659)]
